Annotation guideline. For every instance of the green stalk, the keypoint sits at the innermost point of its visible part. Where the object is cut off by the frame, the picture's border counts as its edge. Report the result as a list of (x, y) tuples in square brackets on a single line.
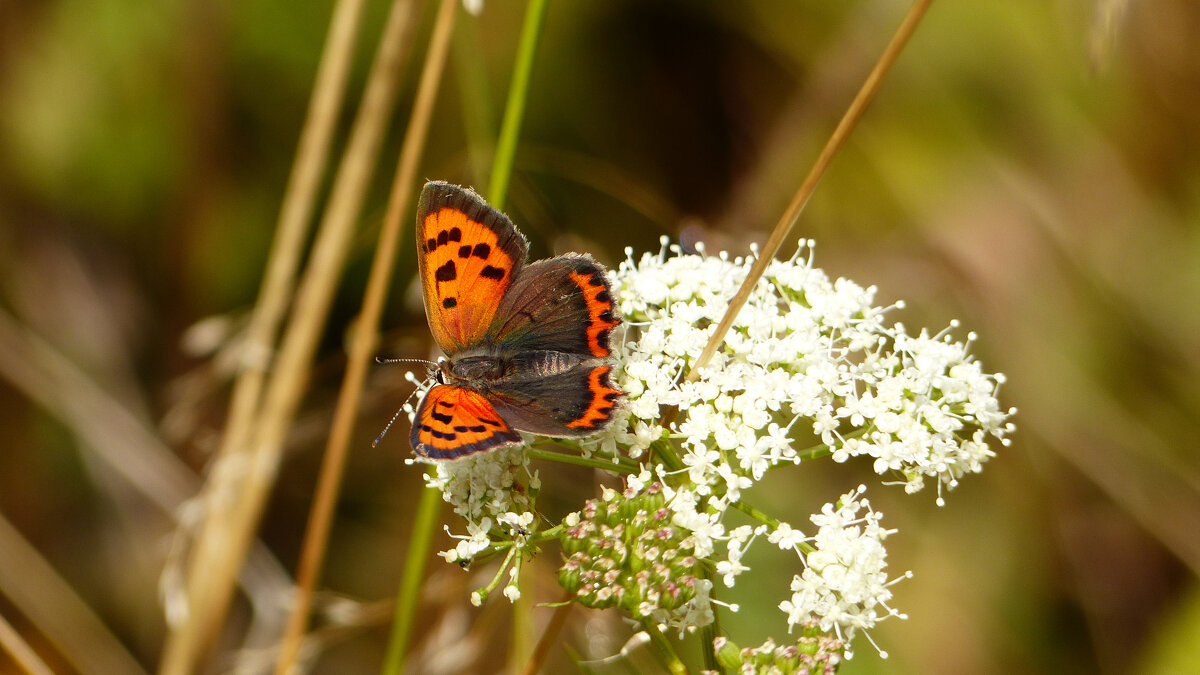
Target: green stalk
[(577, 460), (514, 109), (424, 524), (709, 633), (497, 194), (663, 650)]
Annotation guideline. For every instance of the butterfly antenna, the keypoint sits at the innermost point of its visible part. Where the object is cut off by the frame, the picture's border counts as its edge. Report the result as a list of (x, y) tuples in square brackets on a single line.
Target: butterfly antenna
[(381, 359), (410, 378), (389, 426)]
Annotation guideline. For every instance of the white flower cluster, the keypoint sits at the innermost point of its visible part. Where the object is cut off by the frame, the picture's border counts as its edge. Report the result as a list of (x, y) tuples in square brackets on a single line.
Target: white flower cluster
[(480, 489), (843, 587), (808, 369), (808, 361)]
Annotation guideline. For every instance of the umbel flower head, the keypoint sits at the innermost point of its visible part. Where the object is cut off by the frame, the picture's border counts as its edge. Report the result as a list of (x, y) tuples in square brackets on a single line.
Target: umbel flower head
[(623, 551), (810, 369)]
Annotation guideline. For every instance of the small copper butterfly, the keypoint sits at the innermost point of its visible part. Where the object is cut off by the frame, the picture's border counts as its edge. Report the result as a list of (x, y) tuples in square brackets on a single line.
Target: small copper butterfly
[(528, 345)]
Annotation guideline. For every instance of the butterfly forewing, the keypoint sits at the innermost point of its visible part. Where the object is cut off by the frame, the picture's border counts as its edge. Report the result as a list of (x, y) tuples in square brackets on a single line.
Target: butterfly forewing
[(453, 422), (468, 255)]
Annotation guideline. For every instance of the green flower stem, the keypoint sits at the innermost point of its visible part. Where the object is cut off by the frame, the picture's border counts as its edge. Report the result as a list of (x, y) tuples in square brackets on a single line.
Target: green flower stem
[(590, 462), (754, 513), (821, 450), (514, 110), (666, 451), (487, 590), (546, 535), (663, 650), (763, 518), (424, 523), (531, 542), (710, 632)]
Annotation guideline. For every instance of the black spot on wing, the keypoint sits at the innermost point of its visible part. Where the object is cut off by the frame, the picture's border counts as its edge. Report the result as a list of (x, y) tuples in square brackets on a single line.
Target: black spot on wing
[(492, 272), (450, 303), (447, 272), (481, 250)]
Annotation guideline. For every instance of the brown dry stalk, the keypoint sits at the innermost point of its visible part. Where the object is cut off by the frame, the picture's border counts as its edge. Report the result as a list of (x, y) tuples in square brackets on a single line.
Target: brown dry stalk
[(217, 556), (855, 112), (20, 651), (557, 620), (364, 336), (119, 438), (50, 604)]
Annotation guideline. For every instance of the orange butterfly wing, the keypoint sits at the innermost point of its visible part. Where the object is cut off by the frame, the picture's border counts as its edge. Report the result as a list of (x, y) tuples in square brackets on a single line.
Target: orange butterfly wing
[(468, 254), (453, 422)]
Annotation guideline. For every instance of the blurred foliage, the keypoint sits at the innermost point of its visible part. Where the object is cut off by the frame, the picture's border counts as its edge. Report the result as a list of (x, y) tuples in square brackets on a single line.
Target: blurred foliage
[(1030, 168)]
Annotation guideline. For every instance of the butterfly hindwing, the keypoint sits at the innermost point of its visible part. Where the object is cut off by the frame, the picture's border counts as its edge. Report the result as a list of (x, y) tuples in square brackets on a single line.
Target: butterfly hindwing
[(453, 422), (576, 402), (564, 304), (468, 255)]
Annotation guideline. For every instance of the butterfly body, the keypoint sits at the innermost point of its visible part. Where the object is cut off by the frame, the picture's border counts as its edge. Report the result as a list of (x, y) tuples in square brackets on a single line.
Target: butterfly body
[(527, 345)]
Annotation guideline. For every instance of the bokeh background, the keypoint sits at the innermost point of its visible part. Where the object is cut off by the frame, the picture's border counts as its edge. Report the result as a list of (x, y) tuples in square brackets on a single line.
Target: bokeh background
[(1029, 168)]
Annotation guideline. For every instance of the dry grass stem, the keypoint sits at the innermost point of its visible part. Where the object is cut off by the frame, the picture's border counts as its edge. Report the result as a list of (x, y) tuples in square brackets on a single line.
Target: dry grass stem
[(120, 439), (51, 605), (221, 547), (378, 102), (20, 651), (117, 436), (784, 227), (557, 621)]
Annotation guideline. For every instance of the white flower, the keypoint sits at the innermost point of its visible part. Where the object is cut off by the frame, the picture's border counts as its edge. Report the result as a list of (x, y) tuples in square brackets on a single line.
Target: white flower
[(480, 489), (844, 586), (730, 568), (785, 537)]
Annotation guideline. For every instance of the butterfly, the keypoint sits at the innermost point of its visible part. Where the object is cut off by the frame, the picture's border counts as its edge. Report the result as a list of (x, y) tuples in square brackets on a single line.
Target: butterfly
[(527, 345)]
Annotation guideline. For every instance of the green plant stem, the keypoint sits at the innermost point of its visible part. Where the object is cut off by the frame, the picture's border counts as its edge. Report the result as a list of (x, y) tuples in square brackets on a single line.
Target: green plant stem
[(663, 650), (497, 193), (590, 462), (424, 524), (495, 582), (514, 109), (362, 152), (709, 633), (763, 518), (666, 451)]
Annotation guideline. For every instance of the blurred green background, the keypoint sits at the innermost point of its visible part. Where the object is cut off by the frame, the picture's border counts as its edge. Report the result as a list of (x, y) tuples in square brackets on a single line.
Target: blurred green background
[(1029, 168)]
